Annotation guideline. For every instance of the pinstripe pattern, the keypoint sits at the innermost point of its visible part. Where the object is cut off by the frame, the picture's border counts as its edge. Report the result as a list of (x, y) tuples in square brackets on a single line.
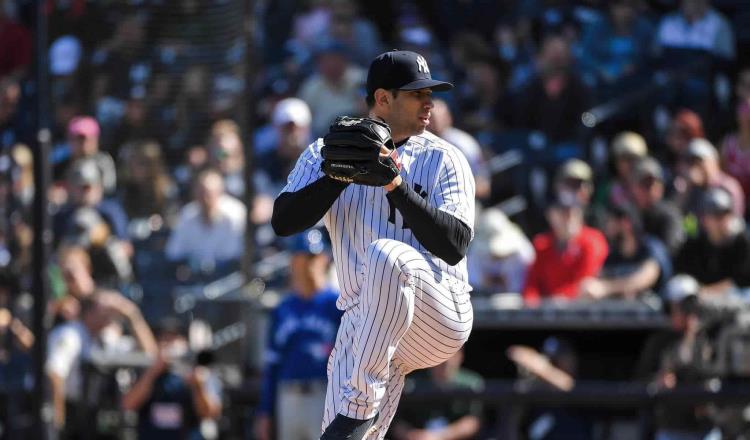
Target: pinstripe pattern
[(404, 308)]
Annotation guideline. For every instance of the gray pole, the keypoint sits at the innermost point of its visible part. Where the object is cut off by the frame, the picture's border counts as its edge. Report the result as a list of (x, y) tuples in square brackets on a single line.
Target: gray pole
[(42, 234)]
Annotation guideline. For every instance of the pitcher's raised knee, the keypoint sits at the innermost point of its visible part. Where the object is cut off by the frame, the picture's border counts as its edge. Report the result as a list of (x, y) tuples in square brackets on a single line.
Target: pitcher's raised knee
[(394, 254)]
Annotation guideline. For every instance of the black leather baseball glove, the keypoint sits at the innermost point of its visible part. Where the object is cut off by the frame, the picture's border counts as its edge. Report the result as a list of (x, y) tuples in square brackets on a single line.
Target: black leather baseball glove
[(352, 152)]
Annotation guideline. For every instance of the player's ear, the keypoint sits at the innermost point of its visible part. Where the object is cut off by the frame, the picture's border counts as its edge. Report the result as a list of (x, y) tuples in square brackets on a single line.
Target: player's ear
[(382, 97)]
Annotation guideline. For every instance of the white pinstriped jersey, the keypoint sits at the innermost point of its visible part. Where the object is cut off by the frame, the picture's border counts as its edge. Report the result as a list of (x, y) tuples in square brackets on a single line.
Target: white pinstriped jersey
[(432, 167)]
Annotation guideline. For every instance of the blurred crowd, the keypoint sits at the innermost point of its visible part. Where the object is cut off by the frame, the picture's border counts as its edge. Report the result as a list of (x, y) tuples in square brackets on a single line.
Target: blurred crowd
[(610, 142)]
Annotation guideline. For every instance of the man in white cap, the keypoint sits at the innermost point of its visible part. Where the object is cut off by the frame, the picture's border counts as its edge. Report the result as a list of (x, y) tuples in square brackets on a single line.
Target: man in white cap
[(501, 254), (291, 119)]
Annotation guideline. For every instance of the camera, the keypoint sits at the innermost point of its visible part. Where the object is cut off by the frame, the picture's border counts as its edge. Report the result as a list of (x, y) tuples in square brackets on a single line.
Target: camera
[(724, 336)]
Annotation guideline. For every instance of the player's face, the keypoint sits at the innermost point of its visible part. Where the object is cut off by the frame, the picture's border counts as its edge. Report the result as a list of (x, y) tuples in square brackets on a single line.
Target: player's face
[(410, 112)]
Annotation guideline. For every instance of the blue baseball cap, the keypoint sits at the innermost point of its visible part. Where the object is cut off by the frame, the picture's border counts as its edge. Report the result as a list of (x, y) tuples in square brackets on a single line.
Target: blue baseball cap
[(313, 241), (402, 70)]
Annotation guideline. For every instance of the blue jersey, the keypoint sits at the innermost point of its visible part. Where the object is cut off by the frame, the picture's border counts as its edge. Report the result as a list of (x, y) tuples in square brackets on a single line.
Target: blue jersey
[(300, 339)]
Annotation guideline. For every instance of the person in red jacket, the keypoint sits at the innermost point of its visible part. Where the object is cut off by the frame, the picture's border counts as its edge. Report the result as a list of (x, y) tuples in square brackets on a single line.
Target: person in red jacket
[(565, 255)]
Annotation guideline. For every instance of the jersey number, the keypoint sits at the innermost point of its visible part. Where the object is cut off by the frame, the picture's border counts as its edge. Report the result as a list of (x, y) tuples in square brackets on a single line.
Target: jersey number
[(392, 207)]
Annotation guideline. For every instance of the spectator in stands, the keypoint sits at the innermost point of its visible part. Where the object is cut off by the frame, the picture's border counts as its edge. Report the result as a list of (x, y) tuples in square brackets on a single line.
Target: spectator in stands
[(697, 26), (14, 335), (194, 161), (226, 154), (72, 343), (311, 23), (636, 263), (555, 99), (23, 176), (441, 123), (193, 91), (66, 66), (455, 419), (15, 48), (685, 126), (718, 257), (627, 148), (703, 172), (87, 191), (291, 120), (617, 46), (171, 402), (335, 88), (145, 187), (17, 195), (661, 218), (83, 142), (16, 342), (555, 367), (668, 360), (566, 255), (121, 66), (482, 100), (500, 254), (514, 46), (698, 42), (301, 335), (137, 125), (210, 230), (12, 126), (735, 149), (357, 33), (12, 316), (76, 281), (576, 178), (111, 256), (742, 87)]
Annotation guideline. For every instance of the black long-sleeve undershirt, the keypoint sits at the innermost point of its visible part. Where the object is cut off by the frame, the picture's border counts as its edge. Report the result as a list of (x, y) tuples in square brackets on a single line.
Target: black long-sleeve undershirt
[(294, 212), (439, 232)]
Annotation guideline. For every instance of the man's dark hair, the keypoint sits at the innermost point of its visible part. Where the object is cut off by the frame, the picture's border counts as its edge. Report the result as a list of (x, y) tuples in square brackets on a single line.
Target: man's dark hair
[(370, 99), (629, 213)]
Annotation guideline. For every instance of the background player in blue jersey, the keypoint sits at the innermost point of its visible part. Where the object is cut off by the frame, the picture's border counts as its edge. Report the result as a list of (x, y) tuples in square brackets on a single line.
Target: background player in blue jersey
[(301, 336)]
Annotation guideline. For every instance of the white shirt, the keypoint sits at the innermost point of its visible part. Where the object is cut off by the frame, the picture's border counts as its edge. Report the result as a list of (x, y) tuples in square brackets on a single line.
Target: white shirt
[(67, 345), (220, 240), (361, 214)]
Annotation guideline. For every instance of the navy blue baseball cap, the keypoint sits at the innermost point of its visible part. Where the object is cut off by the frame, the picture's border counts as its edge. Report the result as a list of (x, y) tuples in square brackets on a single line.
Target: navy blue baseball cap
[(313, 242), (402, 70)]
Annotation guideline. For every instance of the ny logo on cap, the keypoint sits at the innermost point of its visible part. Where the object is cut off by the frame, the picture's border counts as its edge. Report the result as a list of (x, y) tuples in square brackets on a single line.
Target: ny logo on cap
[(422, 64)]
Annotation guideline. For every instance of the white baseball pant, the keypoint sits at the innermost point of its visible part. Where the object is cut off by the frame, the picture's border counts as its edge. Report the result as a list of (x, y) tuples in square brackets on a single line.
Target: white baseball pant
[(409, 316)]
